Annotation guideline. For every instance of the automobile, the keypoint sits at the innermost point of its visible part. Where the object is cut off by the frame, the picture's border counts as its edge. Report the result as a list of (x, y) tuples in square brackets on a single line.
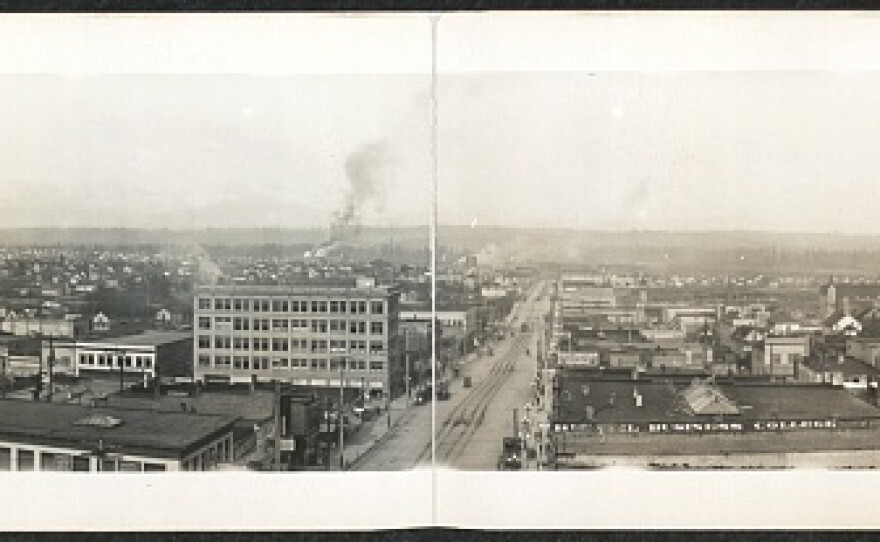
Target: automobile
[(511, 449)]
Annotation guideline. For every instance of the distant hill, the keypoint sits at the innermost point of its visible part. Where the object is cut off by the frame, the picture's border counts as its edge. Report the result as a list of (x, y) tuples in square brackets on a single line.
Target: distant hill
[(723, 250)]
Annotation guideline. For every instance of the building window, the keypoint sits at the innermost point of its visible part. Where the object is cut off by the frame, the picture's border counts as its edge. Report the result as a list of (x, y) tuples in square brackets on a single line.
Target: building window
[(279, 324), (362, 307), (81, 464), (205, 303), (5, 459), (242, 304), (279, 345), (129, 466), (376, 328), (55, 462), (376, 347), (319, 326), (139, 360), (128, 361), (337, 326), (241, 324), (280, 363), (204, 322), (279, 305), (377, 307), (377, 365), (154, 467), (25, 460), (204, 360), (222, 343), (241, 343), (261, 324)]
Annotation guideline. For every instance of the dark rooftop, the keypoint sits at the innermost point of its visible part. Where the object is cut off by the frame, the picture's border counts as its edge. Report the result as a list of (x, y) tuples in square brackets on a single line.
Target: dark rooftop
[(161, 433), (661, 400)]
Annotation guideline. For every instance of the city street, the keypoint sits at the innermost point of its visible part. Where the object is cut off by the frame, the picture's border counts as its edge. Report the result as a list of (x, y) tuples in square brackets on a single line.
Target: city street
[(471, 423)]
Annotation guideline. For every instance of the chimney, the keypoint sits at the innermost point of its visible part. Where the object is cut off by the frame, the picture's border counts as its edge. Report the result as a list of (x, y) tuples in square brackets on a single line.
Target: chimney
[(840, 359), (638, 400), (590, 412)]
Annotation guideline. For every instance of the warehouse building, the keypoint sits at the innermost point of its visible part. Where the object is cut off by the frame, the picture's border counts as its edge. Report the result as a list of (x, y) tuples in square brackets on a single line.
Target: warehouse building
[(166, 353), (615, 419), (38, 436)]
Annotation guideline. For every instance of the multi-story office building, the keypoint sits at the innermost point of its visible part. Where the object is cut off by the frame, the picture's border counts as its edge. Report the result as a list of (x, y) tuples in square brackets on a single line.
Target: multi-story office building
[(308, 335)]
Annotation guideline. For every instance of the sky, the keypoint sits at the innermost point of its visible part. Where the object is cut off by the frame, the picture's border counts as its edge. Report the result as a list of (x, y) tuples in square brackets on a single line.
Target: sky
[(590, 145)]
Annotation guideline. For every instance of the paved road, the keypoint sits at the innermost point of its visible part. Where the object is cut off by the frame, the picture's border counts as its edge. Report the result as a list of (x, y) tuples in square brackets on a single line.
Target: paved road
[(484, 446), (408, 445)]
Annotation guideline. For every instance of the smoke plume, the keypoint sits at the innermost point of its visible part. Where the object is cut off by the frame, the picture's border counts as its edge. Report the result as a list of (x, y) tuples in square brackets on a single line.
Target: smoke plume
[(363, 169)]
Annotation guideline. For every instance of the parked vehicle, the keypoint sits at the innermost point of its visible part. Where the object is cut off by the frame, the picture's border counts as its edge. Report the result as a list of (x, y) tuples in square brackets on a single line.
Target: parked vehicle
[(511, 450)]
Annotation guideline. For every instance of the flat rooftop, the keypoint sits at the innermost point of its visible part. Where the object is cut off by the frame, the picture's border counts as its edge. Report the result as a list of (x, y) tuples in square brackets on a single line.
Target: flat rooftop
[(662, 400), (139, 431), (333, 287), (147, 338)]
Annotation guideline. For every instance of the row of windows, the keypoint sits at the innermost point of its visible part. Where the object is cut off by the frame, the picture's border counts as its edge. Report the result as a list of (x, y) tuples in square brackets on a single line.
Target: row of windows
[(276, 344), (296, 324), (51, 461), (263, 363), (290, 305), (110, 360)]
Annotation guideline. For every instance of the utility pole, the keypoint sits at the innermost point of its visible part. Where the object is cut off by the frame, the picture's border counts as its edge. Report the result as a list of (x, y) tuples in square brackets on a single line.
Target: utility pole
[(515, 423), (339, 424), (51, 364), (157, 392), (277, 407), (406, 381)]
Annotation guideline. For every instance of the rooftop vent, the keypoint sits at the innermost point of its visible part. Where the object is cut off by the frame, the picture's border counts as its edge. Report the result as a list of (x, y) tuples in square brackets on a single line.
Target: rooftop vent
[(99, 420)]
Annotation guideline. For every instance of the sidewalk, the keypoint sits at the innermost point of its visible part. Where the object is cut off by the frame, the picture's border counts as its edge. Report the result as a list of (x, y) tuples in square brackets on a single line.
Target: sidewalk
[(370, 433)]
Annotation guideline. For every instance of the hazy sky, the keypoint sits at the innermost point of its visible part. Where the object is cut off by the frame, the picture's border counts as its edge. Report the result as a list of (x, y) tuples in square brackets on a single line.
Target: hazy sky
[(584, 146)]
